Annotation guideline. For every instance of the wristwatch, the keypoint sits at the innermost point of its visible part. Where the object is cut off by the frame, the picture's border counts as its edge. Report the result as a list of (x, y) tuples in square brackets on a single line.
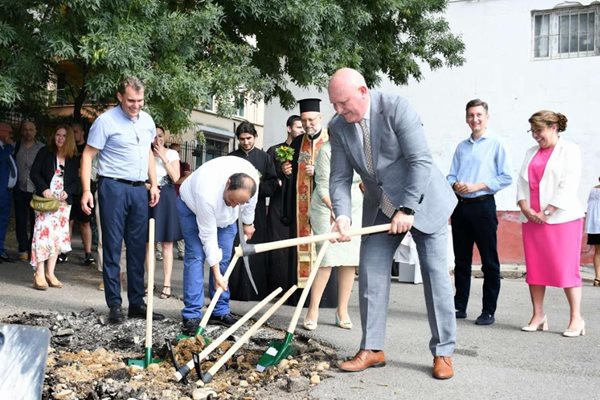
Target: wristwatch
[(406, 210), (547, 213)]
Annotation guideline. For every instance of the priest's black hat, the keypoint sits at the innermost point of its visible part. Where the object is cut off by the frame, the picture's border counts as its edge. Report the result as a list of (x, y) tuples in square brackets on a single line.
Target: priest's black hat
[(307, 105)]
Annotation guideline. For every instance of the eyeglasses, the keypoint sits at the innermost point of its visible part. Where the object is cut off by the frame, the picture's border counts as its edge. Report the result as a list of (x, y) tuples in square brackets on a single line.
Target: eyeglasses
[(60, 171)]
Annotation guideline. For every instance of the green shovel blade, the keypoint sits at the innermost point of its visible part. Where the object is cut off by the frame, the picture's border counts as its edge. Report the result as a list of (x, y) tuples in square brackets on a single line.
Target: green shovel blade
[(147, 360), (199, 332), (277, 351)]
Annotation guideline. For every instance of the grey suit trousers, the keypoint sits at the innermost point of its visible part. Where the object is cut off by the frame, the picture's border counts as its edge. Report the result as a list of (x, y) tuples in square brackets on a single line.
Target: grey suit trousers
[(376, 257)]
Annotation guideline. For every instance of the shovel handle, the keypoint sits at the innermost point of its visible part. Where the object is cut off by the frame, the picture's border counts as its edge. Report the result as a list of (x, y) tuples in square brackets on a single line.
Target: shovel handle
[(183, 371), (309, 282), (151, 259), (218, 291), (217, 365), (281, 244)]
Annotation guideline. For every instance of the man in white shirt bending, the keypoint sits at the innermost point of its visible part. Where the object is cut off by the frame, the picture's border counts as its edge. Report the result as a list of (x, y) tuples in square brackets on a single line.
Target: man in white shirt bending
[(210, 200)]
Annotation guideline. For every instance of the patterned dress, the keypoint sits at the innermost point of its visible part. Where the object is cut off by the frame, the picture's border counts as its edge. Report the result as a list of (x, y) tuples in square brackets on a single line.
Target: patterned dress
[(51, 231)]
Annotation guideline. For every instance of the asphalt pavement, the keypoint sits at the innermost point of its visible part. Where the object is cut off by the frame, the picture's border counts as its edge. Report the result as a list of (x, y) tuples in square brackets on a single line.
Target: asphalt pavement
[(491, 362)]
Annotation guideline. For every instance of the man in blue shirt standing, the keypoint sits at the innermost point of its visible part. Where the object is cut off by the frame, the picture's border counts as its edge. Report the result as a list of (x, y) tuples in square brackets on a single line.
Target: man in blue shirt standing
[(479, 169), (122, 137)]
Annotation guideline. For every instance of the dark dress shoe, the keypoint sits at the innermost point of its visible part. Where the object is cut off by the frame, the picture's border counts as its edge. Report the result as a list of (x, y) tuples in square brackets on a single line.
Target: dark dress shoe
[(190, 326), (5, 258), (140, 312), (442, 367), (485, 319), (225, 320), (115, 315), (364, 359), (460, 314)]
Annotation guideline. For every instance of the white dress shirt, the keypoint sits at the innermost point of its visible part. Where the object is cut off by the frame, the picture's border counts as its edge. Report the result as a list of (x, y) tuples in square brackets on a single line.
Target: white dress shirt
[(202, 192)]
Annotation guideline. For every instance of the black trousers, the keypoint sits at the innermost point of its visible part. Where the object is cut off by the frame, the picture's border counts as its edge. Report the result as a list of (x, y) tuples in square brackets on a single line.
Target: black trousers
[(475, 222), (23, 214)]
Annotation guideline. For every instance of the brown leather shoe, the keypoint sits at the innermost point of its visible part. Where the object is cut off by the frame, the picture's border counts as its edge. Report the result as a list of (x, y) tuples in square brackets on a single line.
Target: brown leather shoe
[(442, 367), (362, 360)]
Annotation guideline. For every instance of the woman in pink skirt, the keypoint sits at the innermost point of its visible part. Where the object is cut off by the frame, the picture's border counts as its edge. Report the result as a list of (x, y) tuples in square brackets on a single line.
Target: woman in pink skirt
[(553, 219)]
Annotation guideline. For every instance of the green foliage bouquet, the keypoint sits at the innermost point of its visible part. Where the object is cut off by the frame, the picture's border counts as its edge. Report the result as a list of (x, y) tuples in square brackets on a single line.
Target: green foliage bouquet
[(284, 153)]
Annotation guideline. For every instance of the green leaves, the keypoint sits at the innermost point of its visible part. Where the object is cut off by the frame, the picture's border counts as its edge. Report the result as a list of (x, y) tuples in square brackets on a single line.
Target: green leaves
[(284, 153), (188, 51)]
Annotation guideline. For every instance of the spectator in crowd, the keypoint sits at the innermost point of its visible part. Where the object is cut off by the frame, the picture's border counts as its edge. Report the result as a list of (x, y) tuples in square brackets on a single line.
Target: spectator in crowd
[(240, 286), (77, 214), (592, 228), (552, 219), (122, 137), (8, 180), (185, 170), (344, 256), (479, 169), (403, 188), (279, 261), (167, 228), (211, 199), (25, 151), (55, 174)]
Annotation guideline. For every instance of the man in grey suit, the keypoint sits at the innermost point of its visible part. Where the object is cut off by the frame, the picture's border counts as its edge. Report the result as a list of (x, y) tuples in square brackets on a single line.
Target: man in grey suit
[(381, 137)]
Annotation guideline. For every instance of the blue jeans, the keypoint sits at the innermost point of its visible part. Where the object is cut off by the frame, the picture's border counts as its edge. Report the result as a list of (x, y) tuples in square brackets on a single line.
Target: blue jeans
[(124, 217), (193, 265)]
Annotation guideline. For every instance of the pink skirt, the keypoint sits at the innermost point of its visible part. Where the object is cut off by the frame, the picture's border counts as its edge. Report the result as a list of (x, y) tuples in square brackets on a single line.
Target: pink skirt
[(553, 253)]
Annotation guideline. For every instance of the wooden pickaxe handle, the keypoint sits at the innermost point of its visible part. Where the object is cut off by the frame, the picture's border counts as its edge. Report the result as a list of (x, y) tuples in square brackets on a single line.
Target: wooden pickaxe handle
[(280, 244), (183, 371), (217, 365)]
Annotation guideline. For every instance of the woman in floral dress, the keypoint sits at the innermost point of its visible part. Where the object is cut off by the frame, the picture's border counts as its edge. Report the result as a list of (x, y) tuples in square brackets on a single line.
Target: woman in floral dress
[(54, 174)]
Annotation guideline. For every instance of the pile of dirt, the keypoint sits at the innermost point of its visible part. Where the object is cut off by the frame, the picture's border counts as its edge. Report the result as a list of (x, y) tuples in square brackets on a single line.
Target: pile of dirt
[(88, 359)]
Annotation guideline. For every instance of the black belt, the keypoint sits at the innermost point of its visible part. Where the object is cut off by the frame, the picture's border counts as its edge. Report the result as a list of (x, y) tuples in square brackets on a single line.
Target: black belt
[(468, 200), (125, 181)]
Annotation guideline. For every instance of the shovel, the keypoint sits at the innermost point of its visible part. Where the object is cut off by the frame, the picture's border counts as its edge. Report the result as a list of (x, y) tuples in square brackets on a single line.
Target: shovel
[(279, 350), (217, 365), (150, 259), (23, 351), (183, 371)]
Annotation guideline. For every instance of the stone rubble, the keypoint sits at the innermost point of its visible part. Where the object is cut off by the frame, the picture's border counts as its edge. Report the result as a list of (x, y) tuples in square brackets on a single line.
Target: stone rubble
[(87, 360)]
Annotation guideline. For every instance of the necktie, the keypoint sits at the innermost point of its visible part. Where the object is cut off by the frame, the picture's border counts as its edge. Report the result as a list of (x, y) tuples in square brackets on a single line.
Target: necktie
[(385, 203)]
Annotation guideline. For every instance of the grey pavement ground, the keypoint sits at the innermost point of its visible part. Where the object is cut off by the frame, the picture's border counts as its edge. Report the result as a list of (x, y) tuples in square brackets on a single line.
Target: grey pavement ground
[(491, 362)]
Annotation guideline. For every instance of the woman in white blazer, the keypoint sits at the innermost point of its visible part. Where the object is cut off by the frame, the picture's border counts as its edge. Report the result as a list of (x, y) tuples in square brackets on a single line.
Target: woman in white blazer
[(552, 219)]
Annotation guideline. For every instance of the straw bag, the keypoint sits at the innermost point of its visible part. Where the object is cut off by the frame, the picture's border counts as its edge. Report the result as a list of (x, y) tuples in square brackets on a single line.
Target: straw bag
[(42, 204)]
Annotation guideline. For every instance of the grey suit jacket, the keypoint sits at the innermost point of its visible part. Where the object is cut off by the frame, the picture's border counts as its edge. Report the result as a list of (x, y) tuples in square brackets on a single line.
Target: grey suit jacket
[(403, 165)]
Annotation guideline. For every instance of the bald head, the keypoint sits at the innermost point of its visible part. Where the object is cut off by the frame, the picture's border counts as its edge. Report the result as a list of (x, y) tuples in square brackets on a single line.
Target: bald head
[(349, 95)]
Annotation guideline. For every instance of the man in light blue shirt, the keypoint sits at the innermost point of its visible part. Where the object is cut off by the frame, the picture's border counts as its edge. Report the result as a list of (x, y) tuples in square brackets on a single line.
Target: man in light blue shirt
[(121, 137), (479, 169)]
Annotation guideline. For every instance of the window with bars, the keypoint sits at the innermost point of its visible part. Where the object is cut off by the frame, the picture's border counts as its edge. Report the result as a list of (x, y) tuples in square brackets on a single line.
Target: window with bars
[(566, 32)]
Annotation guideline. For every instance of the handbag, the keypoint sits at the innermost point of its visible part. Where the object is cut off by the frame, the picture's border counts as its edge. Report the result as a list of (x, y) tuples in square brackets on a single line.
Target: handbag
[(42, 204)]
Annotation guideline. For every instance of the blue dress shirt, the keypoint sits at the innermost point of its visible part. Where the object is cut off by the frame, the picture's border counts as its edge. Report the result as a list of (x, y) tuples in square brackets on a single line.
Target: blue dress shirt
[(124, 144), (482, 160)]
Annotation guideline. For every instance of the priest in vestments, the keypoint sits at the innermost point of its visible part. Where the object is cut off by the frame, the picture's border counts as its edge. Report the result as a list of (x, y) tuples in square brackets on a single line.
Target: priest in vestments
[(240, 287), (297, 193)]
